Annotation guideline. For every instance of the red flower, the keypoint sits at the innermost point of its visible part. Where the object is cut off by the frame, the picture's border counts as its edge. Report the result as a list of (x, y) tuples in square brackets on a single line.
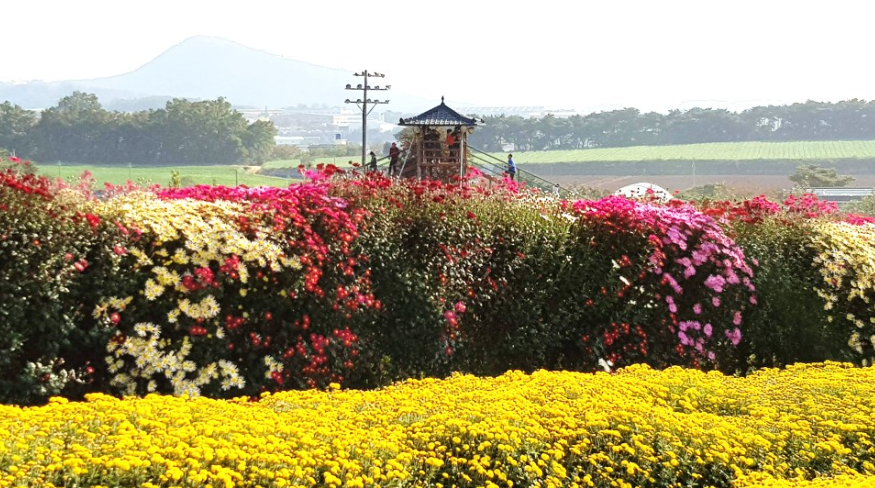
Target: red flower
[(93, 220)]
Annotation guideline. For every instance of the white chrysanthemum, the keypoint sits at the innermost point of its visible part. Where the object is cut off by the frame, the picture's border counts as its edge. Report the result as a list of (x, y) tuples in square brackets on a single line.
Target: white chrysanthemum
[(209, 308)]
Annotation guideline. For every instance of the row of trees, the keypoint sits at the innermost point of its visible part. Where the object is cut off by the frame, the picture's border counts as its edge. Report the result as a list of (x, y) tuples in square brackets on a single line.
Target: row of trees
[(847, 120), (79, 129)]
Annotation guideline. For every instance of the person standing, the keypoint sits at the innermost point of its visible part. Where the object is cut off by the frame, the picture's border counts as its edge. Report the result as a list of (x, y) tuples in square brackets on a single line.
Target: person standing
[(511, 167), (372, 166), (394, 152)]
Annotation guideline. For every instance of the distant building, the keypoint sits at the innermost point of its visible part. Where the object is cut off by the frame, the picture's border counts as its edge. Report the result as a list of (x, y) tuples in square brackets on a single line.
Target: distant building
[(841, 194), (525, 111)]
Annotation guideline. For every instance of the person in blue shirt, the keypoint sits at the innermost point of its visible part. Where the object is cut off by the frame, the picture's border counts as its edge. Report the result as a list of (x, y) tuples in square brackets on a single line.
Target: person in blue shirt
[(511, 167)]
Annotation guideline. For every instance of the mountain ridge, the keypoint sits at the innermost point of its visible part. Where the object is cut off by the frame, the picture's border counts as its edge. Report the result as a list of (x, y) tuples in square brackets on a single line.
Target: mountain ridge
[(203, 67)]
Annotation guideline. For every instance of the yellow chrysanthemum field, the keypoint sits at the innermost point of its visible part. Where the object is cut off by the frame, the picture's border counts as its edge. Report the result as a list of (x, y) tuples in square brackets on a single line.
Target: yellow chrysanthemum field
[(806, 426)]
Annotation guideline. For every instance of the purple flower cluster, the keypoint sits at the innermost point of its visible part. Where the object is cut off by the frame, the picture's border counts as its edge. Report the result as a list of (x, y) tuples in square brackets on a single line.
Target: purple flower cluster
[(694, 272)]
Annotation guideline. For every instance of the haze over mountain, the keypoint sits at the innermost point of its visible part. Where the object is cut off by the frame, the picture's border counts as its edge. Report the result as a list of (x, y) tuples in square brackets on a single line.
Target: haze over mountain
[(207, 68)]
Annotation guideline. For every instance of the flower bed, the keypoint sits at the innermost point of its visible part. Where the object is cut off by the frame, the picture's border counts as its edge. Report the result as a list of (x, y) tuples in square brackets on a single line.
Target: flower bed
[(806, 426), (366, 280)]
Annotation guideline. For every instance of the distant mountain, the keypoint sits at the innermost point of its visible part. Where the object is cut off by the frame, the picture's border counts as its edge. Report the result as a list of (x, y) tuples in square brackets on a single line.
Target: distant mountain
[(207, 68)]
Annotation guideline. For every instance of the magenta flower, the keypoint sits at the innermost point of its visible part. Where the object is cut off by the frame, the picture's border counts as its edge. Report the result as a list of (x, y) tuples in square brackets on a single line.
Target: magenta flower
[(708, 330), (734, 336), (715, 282)]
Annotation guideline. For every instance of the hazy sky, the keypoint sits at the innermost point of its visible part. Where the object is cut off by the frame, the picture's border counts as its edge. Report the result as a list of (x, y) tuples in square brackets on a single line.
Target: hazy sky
[(563, 54)]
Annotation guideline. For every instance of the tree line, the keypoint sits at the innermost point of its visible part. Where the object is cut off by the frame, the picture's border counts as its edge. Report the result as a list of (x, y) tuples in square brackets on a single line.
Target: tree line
[(78, 129), (846, 120)]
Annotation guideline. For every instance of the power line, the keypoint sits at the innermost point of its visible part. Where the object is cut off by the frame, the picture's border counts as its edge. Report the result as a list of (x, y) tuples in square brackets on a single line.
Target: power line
[(363, 102)]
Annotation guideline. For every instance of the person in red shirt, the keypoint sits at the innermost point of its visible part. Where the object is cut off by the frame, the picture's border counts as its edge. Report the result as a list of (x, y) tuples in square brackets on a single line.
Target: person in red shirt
[(394, 152)]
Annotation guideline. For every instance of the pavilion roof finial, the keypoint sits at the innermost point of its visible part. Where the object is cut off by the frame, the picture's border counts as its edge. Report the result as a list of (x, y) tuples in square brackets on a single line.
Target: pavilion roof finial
[(442, 99)]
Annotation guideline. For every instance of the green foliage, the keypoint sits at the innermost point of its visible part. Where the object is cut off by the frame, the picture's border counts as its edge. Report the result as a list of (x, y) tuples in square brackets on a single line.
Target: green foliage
[(48, 265), (281, 152), (175, 180), (15, 124), (811, 175), (789, 323), (79, 129), (866, 206), (452, 279), (811, 121)]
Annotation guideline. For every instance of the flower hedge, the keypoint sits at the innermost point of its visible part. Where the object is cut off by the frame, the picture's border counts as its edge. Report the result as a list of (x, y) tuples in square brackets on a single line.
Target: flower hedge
[(805, 426), (365, 280)]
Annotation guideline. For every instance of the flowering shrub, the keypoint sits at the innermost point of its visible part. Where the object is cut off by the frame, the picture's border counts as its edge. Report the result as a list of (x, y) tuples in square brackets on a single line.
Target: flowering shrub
[(783, 240), (45, 239), (363, 280), (670, 285), (507, 280), (236, 290), (453, 268), (804, 426), (846, 262)]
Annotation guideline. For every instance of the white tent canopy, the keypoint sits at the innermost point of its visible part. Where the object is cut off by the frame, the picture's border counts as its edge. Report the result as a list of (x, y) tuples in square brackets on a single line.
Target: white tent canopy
[(641, 190)]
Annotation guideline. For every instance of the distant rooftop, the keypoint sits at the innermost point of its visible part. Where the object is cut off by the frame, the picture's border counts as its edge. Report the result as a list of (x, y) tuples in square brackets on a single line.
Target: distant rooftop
[(440, 115)]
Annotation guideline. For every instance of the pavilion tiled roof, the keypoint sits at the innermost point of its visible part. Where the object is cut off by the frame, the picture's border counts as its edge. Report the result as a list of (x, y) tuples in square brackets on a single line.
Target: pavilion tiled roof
[(440, 115)]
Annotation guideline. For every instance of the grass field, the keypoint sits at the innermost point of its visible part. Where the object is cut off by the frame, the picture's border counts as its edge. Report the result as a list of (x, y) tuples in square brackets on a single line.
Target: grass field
[(739, 151), (189, 175), (340, 161), (714, 151)]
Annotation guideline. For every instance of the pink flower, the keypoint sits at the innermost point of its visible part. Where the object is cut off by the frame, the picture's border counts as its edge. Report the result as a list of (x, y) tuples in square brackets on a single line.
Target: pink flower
[(736, 318), (715, 282), (672, 307), (715, 301), (697, 309), (734, 336), (708, 330), (685, 340), (460, 307)]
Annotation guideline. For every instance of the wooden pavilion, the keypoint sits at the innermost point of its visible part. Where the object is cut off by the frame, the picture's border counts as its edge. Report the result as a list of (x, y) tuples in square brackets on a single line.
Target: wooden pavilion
[(440, 141)]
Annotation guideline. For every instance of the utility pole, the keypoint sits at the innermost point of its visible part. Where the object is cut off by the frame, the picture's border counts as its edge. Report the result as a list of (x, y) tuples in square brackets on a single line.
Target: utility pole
[(363, 102)]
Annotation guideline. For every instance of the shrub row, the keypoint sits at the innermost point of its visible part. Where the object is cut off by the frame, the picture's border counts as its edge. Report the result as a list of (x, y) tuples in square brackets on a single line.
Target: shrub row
[(365, 280)]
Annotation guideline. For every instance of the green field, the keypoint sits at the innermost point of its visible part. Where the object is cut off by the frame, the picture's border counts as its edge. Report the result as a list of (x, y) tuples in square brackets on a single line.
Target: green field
[(189, 175), (715, 151), (718, 151), (340, 161)]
